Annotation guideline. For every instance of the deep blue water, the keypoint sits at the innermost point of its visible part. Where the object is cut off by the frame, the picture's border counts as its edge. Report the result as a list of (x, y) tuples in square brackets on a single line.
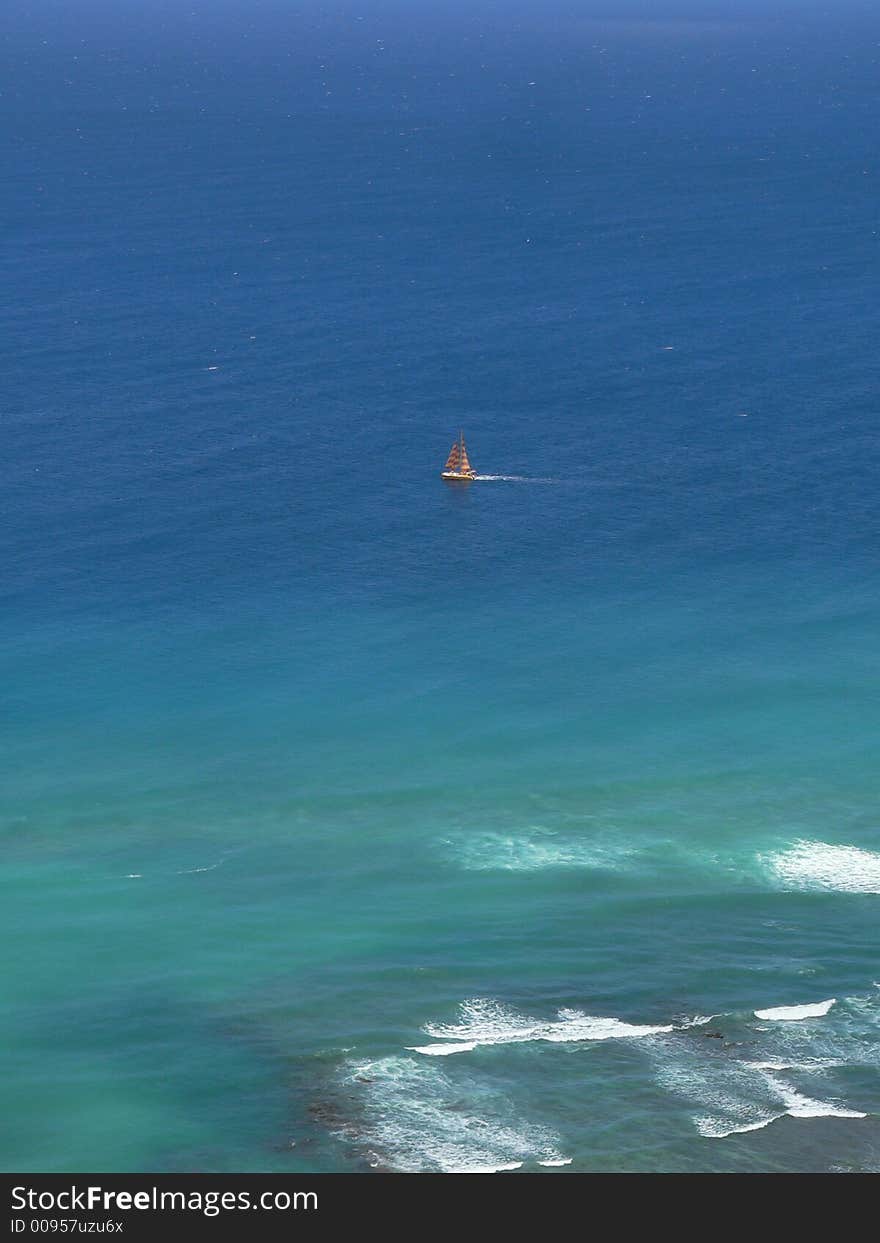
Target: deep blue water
[(312, 762)]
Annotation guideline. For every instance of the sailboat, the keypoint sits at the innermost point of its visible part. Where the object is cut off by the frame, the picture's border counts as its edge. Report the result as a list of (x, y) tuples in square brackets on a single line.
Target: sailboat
[(458, 469)]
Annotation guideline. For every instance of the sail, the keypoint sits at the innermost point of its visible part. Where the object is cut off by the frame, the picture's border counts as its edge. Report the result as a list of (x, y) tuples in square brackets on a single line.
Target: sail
[(452, 461), (465, 464)]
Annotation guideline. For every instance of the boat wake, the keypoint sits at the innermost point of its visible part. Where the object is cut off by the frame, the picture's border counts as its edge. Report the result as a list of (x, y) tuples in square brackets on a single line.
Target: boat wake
[(208, 867), (512, 479)]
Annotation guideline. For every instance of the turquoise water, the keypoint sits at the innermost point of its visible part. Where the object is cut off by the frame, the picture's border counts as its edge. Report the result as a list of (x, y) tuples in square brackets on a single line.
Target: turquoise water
[(357, 822)]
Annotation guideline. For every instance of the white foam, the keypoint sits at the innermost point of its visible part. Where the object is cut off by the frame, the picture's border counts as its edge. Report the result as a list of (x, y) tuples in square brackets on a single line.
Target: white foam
[(814, 1010), (442, 1050), (487, 1169), (809, 1064), (536, 849), (557, 1161), (419, 1119), (821, 865), (803, 1107), (699, 1020), (485, 1022)]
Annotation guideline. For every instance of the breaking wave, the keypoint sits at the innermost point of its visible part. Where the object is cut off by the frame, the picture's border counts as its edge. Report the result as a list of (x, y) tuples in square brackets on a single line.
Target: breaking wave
[(731, 1097), (489, 1023), (791, 1068), (725, 1098), (413, 1113), (788, 1013)]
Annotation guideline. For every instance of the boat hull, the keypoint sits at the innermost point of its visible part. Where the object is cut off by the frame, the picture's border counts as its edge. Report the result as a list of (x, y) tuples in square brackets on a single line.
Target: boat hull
[(454, 476)]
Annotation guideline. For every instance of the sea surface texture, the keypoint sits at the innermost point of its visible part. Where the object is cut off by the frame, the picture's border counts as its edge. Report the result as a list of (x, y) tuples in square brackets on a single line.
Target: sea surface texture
[(355, 821)]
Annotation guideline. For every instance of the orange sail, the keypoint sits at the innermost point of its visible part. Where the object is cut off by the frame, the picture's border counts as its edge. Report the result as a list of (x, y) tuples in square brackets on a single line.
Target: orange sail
[(457, 465), (452, 461)]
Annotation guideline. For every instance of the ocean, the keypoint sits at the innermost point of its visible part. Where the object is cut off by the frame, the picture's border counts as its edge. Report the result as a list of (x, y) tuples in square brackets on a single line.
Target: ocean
[(353, 821)]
